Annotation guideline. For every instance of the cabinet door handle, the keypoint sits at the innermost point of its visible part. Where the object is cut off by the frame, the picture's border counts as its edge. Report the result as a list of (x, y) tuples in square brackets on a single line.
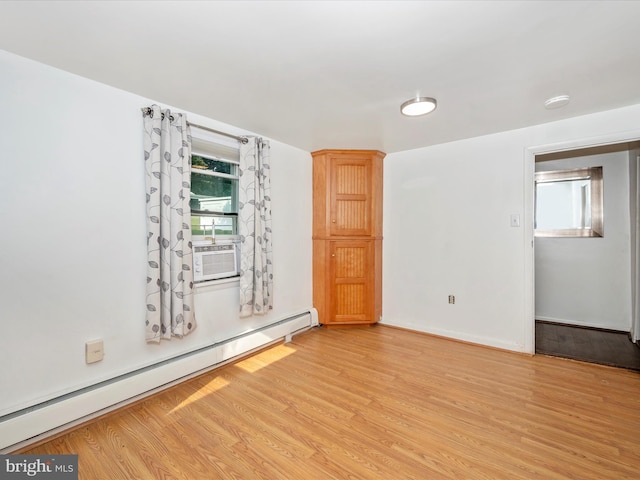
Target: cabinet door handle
[(333, 221), (333, 254)]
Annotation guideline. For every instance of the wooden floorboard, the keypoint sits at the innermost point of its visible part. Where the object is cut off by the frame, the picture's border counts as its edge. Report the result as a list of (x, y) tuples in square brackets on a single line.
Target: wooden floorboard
[(374, 403)]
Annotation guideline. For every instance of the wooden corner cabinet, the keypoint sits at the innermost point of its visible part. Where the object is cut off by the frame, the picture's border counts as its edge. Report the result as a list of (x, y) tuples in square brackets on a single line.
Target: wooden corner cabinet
[(347, 236)]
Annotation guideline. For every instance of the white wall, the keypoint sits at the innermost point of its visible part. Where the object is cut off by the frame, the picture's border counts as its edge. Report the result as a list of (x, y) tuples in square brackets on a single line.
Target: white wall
[(72, 247), (447, 230), (587, 281)]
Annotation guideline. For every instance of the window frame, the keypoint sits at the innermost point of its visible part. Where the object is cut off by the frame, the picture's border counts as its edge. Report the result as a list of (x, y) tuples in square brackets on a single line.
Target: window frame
[(216, 214), (595, 177)]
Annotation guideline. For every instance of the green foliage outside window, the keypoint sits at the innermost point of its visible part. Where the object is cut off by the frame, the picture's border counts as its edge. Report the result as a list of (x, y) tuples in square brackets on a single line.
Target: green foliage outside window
[(215, 194)]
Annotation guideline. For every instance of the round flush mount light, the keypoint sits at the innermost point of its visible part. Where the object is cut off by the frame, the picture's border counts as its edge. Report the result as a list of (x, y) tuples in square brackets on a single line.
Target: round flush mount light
[(556, 102), (418, 106)]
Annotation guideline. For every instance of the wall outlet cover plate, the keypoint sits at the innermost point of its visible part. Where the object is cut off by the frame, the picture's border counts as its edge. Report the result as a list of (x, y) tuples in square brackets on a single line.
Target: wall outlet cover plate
[(94, 351)]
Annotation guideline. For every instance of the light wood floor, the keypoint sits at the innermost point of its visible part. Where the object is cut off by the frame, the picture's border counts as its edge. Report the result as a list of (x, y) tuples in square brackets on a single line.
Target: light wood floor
[(375, 403)]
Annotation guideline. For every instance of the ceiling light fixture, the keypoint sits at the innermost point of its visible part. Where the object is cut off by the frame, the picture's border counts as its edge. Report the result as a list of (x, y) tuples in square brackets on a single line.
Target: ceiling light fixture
[(418, 106), (556, 102)]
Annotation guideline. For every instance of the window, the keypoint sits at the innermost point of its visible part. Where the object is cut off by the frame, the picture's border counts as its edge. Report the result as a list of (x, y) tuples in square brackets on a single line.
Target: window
[(569, 203), (214, 187)]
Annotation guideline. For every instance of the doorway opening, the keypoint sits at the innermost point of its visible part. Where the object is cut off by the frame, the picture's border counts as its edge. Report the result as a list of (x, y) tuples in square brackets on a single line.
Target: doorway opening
[(585, 288)]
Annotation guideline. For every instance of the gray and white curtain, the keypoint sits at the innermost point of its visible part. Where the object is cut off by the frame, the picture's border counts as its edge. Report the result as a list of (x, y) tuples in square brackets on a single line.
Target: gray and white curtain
[(167, 156), (254, 227)]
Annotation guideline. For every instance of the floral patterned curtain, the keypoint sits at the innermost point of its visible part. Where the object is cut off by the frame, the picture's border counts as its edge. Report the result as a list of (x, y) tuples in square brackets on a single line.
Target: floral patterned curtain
[(254, 227), (167, 156)]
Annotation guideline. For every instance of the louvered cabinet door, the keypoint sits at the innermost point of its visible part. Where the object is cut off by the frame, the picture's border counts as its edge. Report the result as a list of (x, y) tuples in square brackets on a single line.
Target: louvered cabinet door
[(351, 268), (351, 186)]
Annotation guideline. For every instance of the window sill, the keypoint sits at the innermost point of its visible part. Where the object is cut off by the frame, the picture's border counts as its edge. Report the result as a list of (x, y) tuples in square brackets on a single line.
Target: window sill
[(217, 284)]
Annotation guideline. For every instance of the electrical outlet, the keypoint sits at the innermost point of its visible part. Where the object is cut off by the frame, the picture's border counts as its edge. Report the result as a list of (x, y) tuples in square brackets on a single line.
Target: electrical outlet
[(452, 299), (94, 351)]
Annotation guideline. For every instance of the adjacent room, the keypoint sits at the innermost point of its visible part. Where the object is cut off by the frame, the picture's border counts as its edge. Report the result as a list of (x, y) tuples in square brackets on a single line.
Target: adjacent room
[(305, 239)]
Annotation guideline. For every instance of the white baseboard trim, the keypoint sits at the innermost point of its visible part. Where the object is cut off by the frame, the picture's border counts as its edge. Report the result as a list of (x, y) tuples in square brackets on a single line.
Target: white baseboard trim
[(39, 422), (476, 339)]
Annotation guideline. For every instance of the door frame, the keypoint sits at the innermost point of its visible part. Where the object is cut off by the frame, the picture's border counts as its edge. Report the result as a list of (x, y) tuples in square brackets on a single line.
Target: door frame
[(529, 204)]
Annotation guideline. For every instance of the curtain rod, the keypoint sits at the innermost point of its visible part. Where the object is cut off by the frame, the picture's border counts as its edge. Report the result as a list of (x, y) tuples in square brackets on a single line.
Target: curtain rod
[(241, 139)]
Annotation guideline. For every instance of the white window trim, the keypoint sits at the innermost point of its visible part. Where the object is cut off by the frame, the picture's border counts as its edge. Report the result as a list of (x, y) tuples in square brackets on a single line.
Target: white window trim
[(223, 238)]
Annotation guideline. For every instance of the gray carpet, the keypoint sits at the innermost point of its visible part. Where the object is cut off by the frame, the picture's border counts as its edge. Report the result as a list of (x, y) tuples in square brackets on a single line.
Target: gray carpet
[(605, 347)]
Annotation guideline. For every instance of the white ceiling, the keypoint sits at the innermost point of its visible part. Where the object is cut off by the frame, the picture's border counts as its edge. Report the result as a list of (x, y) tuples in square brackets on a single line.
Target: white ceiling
[(332, 74)]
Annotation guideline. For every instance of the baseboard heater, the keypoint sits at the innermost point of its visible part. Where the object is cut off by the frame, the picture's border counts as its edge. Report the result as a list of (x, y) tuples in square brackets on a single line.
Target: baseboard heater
[(26, 426)]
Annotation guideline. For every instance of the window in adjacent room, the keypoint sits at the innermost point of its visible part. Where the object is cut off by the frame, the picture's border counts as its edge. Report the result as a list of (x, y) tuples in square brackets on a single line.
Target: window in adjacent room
[(214, 186), (569, 203)]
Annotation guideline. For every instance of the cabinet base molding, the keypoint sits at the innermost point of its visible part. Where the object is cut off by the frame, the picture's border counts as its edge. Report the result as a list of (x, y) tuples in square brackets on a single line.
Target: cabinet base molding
[(347, 325)]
